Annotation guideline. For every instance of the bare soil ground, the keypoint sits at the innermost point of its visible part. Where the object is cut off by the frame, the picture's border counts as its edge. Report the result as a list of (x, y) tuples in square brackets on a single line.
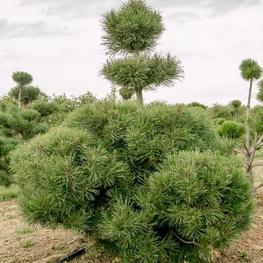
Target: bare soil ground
[(21, 243)]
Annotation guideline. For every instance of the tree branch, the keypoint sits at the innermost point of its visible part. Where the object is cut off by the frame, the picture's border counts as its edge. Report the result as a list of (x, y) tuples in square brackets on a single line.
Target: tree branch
[(258, 186), (253, 150), (239, 150), (257, 164), (184, 241), (259, 145), (247, 150)]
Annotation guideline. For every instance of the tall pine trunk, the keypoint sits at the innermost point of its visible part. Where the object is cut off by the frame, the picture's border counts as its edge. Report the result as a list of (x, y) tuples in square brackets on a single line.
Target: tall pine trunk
[(248, 113), (19, 96), (250, 153), (139, 97)]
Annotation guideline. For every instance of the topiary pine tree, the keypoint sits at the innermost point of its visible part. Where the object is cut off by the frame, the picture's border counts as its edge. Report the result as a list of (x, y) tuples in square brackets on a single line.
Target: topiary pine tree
[(151, 184), (250, 71), (133, 31), (236, 106), (22, 79)]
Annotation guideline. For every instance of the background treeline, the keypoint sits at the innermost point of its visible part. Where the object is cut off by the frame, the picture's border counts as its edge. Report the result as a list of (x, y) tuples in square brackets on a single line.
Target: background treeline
[(40, 113)]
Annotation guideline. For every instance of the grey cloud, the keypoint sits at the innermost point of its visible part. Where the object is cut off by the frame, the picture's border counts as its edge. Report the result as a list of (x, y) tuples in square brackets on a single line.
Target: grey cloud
[(173, 3), (74, 9), (78, 9), (223, 6), (216, 7), (184, 16), (30, 29)]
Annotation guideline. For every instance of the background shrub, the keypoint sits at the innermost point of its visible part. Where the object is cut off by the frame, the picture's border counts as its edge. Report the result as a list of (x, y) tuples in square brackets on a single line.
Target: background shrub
[(231, 129)]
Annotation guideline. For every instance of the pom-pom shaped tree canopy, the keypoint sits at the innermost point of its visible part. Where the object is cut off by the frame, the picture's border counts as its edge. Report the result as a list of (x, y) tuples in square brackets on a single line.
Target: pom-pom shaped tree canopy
[(135, 27), (133, 31)]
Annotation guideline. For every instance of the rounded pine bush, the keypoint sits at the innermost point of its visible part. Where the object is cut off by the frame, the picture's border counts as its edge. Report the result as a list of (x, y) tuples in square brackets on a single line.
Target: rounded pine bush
[(64, 176), (200, 201), (231, 129), (151, 184)]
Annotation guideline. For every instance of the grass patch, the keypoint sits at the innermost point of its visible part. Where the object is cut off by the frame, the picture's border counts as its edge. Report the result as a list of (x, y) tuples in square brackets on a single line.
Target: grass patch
[(22, 235), (258, 170), (21, 231), (26, 243), (8, 193)]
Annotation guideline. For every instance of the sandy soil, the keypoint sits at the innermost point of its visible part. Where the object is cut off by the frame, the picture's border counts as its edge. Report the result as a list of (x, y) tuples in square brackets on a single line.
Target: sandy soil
[(21, 243)]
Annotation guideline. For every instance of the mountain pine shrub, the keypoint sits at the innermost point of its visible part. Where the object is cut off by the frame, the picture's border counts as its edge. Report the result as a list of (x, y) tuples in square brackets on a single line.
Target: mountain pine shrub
[(151, 184)]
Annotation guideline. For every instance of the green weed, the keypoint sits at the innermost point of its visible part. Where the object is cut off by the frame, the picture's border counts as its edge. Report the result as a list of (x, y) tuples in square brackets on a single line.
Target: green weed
[(8, 193), (26, 243), (21, 232)]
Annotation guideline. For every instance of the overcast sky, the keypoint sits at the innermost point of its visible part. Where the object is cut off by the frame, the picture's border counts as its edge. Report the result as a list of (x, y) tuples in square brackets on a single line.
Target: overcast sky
[(59, 43)]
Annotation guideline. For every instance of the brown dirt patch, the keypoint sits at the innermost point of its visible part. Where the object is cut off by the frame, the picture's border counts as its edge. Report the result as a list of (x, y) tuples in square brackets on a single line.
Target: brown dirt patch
[(249, 246), (21, 243)]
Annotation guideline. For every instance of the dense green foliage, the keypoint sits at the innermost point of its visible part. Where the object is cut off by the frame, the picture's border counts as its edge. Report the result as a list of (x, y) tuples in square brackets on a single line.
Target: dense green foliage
[(6, 145), (256, 119), (151, 184), (260, 92), (18, 126), (250, 69), (38, 114), (142, 71), (45, 108), (219, 111), (135, 27), (28, 94), (195, 204), (197, 104), (234, 116), (22, 78), (126, 93), (232, 129), (67, 105)]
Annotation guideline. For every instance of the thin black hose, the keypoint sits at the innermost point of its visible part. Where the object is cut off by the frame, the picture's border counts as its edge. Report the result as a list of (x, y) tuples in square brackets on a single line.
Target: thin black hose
[(71, 256)]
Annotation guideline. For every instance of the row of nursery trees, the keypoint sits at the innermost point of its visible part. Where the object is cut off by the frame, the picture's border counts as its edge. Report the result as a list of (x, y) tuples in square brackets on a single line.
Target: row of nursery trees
[(148, 183)]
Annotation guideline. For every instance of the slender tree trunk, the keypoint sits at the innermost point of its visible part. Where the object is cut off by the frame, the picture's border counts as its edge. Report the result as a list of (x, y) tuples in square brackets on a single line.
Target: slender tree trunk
[(249, 161), (19, 97), (249, 170), (250, 153), (248, 112), (235, 117), (139, 97)]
